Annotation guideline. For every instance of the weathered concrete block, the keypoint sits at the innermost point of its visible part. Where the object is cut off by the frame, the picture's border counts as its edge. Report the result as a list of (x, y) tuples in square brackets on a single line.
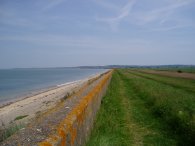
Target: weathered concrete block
[(74, 130)]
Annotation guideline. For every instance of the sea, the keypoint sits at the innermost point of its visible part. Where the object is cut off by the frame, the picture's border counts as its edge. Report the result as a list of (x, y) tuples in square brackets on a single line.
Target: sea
[(15, 83)]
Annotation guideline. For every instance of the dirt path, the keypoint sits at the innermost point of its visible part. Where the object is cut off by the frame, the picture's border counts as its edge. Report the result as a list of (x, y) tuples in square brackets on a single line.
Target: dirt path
[(171, 74), (134, 129), (135, 113)]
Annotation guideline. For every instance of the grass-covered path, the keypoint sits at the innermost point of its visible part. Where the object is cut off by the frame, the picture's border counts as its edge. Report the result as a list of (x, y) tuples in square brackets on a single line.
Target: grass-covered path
[(125, 119)]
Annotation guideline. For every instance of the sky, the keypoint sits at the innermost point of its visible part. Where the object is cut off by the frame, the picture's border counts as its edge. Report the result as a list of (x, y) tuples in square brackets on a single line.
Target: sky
[(59, 33)]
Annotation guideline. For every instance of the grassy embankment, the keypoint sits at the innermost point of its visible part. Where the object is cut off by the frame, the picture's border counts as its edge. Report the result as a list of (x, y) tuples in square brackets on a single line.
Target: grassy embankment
[(145, 109)]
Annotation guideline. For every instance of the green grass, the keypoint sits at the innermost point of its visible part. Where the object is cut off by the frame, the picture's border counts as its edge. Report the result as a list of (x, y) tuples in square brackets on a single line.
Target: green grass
[(110, 127), (173, 104), (5, 133), (185, 84), (20, 117), (125, 119)]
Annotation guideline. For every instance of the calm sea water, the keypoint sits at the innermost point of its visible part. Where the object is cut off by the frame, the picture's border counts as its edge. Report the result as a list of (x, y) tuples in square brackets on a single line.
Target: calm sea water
[(19, 82)]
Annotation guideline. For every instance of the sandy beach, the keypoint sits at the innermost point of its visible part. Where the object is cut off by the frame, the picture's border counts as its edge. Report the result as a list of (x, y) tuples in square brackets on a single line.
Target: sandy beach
[(38, 103)]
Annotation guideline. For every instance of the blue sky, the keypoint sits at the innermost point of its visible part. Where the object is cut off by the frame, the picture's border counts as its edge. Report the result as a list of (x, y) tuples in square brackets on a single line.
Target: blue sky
[(54, 33)]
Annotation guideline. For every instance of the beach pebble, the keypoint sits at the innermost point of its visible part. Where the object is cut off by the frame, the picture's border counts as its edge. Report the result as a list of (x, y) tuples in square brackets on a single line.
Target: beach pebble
[(39, 130)]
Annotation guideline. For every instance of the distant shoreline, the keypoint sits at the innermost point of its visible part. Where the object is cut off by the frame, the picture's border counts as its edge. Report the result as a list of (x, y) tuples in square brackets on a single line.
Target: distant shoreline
[(40, 91), (32, 93), (17, 83), (111, 66)]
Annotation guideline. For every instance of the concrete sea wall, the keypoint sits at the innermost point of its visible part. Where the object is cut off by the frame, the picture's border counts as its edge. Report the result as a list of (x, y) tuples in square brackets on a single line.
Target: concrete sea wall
[(74, 130)]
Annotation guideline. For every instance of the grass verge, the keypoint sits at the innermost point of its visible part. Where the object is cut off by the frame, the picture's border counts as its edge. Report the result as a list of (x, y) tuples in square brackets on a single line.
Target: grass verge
[(20, 117), (7, 132), (175, 106), (110, 128), (124, 120), (181, 83)]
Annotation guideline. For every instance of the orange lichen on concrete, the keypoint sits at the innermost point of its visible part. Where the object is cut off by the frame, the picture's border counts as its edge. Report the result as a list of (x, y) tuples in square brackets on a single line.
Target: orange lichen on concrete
[(61, 132), (54, 138), (45, 143), (73, 135), (74, 120), (60, 104), (63, 141)]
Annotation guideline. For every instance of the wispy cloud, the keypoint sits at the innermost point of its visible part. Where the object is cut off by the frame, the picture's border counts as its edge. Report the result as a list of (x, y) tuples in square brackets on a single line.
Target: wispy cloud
[(161, 14), (122, 13), (116, 29), (13, 19), (107, 5), (82, 43), (156, 16), (36, 20), (51, 4), (166, 18)]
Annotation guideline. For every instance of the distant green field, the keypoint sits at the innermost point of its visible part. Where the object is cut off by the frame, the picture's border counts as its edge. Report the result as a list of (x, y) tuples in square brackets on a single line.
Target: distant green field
[(145, 109), (177, 69)]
